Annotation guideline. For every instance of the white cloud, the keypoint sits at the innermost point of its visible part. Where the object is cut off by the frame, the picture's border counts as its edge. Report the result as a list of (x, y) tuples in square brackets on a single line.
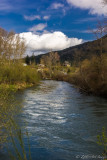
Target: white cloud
[(48, 41), (56, 5), (39, 27), (32, 17), (46, 17), (94, 7)]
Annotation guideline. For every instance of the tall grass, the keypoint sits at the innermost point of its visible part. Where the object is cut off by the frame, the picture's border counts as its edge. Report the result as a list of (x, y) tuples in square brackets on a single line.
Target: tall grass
[(11, 135), (17, 73), (17, 140)]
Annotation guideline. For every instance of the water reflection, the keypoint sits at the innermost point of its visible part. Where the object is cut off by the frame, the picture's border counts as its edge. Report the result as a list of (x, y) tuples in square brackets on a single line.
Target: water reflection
[(10, 108), (62, 122)]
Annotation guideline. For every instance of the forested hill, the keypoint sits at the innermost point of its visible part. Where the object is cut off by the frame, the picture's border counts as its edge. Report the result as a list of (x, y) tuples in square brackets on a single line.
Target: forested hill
[(85, 50)]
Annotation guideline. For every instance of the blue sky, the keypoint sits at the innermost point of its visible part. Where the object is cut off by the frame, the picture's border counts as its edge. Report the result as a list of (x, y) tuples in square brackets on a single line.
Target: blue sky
[(73, 18)]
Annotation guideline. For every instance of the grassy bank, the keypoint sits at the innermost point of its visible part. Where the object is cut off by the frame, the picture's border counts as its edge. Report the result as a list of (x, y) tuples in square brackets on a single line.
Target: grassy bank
[(18, 76), (13, 71)]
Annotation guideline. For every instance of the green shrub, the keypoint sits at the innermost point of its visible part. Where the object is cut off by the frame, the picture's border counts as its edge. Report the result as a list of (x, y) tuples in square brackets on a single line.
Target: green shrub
[(17, 73)]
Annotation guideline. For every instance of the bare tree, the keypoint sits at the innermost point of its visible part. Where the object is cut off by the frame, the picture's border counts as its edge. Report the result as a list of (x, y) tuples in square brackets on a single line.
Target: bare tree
[(11, 46), (50, 60), (99, 33)]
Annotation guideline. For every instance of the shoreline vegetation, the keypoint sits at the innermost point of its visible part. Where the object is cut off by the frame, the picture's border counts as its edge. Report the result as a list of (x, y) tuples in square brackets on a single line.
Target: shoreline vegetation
[(89, 75), (14, 74), (18, 73), (17, 76), (84, 66)]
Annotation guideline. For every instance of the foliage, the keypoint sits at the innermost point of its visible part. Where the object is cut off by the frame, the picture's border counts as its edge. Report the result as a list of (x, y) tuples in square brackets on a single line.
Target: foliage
[(102, 141), (11, 46), (13, 75), (17, 140), (92, 76), (17, 74), (50, 60), (10, 132), (7, 110), (12, 69), (27, 60)]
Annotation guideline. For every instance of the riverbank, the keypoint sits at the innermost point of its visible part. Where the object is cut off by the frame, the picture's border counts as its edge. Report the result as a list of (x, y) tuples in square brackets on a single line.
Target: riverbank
[(82, 85), (87, 82), (15, 76), (89, 75), (15, 87)]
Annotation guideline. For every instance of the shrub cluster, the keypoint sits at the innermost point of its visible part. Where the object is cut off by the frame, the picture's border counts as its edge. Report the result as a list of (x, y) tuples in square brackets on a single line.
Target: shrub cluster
[(17, 73)]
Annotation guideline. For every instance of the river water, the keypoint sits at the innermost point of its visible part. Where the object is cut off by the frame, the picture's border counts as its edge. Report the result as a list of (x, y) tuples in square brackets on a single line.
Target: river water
[(63, 123)]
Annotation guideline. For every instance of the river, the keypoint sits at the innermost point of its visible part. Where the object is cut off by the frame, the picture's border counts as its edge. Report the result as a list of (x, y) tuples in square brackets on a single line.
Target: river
[(63, 123)]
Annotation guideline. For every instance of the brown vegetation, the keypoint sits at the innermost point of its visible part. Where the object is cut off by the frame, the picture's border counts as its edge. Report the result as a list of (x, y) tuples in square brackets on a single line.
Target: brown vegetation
[(12, 70), (92, 77), (89, 75)]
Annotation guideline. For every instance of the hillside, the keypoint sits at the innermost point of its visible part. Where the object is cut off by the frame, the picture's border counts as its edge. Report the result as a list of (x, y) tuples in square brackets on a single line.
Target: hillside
[(85, 50)]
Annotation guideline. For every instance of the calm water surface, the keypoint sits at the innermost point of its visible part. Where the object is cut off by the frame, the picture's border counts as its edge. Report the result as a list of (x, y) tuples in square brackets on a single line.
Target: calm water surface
[(63, 123)]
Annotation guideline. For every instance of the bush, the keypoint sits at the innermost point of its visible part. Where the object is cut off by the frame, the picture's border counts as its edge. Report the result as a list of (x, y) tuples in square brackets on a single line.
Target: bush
[(92, 76), (17, 73)]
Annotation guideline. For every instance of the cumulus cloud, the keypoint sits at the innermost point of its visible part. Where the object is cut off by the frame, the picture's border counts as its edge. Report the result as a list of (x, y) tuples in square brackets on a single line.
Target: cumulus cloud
[(56, 5), (32, 17), (48, 41), (39, 27), (94, 7)]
